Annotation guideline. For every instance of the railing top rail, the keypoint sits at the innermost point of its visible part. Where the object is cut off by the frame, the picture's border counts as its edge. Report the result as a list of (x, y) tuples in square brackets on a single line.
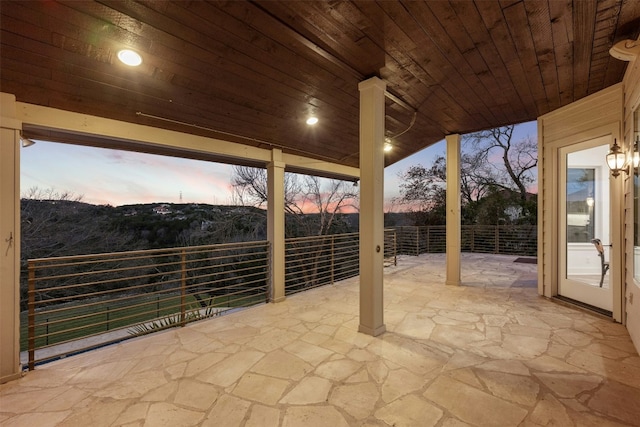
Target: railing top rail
[(127, 254), (324, 236), (320, 237)]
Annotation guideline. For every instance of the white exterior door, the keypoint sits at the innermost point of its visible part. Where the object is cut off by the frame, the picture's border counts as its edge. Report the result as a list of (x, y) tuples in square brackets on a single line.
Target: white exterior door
[(584, 214)]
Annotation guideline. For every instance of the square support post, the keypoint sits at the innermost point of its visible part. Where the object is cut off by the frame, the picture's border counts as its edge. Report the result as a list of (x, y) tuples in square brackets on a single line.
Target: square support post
[(9, 239), (275, 224), (453, 210), (372, 104)]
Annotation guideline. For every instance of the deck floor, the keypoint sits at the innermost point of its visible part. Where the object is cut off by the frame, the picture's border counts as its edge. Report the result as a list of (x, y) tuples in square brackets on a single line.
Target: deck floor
[(488, 353)]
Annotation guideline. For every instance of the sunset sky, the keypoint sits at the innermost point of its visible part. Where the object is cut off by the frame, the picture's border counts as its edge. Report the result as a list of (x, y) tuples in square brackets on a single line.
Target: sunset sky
[(112, 177)]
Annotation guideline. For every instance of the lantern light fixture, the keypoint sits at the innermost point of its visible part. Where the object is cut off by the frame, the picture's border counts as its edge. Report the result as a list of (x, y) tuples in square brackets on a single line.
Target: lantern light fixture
[(617, 160)]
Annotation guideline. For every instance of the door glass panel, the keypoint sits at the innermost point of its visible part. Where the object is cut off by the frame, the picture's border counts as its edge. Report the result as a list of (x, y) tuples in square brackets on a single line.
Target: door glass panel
[(584, 216), (581, 184)]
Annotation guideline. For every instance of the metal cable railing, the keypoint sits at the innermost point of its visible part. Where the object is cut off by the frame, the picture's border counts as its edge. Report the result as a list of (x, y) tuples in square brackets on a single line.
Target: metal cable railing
[(493, 239), (76, 303), (321, 260), (80, 302)]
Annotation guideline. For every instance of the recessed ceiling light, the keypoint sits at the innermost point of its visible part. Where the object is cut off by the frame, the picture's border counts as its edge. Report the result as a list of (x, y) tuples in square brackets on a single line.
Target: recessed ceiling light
[(387, 147), (312, 121), (129, 57)]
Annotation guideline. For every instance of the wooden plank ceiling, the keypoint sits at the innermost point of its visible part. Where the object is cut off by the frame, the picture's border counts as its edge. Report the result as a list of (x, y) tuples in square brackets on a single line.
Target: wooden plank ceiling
[(251, 71)]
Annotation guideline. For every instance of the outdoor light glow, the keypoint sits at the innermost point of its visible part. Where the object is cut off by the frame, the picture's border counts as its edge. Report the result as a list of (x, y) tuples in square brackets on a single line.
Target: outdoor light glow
[(387, 147), (312, 121), (129, 57), (617, 160)]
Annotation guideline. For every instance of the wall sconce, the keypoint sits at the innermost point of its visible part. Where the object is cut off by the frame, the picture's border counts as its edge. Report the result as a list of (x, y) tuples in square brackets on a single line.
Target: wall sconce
[(617, 160)]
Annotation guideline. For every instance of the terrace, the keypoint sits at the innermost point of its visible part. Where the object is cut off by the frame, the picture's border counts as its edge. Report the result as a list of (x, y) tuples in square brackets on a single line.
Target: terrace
[(235, 82), (489, 352)]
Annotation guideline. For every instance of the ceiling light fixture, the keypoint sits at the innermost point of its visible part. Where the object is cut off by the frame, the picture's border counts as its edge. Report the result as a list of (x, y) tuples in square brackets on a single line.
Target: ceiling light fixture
[(312, 120), (388, 146), (26, 142), (130, 57)]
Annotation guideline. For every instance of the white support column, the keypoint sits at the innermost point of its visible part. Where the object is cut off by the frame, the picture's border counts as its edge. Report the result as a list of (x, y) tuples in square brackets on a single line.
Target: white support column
[(9, 240), (275, 223), (453, 210), (372, 104)]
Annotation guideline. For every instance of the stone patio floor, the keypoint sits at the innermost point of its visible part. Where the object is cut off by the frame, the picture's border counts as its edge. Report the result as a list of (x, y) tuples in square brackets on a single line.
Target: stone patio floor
[(488, 353)]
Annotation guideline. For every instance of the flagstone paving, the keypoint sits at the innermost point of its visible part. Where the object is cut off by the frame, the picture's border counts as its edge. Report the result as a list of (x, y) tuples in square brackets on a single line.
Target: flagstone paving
[(488, 353)]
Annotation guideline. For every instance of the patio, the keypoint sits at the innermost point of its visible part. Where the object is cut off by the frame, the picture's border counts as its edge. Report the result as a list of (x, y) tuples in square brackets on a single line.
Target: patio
[(489, 353)]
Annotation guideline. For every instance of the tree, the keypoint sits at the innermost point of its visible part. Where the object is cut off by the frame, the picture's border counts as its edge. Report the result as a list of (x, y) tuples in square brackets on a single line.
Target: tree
[(312, 204), (519, 158), (59, 223), (250, 188), (495, 172), (55, 224)]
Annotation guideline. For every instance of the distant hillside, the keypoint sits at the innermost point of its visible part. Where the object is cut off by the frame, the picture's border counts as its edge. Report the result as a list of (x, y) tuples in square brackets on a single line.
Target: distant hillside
[(63, 227), (68, 227)]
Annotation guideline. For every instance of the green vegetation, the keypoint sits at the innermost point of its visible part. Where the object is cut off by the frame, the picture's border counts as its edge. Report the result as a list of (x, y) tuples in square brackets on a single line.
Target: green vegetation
[(79, 321)]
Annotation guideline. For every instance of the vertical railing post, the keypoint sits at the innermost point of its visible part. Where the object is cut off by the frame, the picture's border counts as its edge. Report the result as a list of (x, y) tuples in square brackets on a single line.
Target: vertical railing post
[(31, 292), (497, 250), (269, 295), (417, 241), (332, 257), (183, 288), (428, 239), (473, 238), (395, 248)]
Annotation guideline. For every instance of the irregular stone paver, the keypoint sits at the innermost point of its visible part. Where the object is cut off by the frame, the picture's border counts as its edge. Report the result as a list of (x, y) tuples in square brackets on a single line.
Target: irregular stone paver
[(134, 413), (569, 385), (313, 416), (472, 405), (260, 388), (263, 416), (618, 401), (165, 414), (228, 408), (489, 352), (230, 369), (549, 411), (508, 366), (525, 347), (41, 419), (400, 382), (196, 395), (409, 411), (338, 369), (416, 325), (310, 390), (357, 400), (515, 388), (310, 353), (282, 365)]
